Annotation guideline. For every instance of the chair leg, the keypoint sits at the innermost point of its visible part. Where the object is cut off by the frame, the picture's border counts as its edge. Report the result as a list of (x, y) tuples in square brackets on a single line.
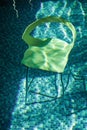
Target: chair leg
[(27, 88)]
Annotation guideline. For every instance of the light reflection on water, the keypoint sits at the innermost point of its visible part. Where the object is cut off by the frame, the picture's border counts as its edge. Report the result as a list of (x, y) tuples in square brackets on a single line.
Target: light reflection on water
[(71, 11), (45, 116)]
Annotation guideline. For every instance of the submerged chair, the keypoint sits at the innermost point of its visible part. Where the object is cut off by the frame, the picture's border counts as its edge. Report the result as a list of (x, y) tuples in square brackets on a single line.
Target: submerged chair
[(49, 54), (81, 76)]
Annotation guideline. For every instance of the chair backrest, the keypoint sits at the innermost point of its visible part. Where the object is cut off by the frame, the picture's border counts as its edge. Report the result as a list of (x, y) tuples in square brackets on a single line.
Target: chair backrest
[(49, 54)]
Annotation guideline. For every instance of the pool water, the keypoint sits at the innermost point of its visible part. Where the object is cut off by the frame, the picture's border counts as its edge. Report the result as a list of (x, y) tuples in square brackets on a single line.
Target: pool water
[(46, 113), (52, 101)]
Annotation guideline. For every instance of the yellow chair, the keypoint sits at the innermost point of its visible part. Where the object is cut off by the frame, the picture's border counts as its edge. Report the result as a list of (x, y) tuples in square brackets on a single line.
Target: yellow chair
[(49, 54)]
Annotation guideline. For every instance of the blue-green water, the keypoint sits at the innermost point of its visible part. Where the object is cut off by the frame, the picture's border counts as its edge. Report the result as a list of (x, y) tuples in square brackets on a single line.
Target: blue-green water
[(61, 113), (62, 104)]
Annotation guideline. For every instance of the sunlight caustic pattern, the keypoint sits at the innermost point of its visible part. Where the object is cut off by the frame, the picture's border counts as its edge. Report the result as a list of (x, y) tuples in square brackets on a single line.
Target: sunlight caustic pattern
[(26, 117), (51, 115), (16, 11)]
